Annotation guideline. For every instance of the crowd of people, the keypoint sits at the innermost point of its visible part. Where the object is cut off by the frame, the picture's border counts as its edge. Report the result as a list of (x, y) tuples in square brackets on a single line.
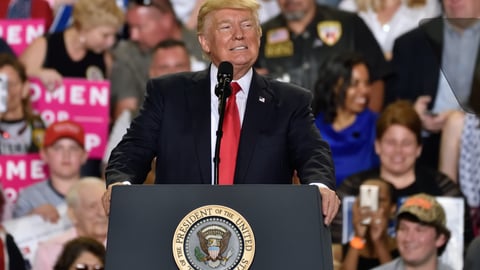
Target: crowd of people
[(337, 94)]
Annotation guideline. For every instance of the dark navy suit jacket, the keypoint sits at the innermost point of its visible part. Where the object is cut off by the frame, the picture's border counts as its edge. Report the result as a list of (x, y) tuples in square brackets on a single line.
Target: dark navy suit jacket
[(278, 135)]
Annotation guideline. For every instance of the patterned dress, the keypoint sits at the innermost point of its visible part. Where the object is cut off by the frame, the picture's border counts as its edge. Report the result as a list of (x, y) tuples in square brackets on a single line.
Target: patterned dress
[(469, 166)]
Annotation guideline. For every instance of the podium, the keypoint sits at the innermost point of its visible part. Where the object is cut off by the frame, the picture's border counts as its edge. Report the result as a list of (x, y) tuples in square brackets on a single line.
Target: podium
[(147, 221)]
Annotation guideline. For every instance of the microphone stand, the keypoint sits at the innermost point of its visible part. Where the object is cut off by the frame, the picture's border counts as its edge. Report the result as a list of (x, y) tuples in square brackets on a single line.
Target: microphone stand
[(223, 94)]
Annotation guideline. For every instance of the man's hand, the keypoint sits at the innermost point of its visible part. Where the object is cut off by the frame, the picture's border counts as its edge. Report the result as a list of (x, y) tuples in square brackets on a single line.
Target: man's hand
[(431, 122), (330, 204), (48, 212), (107, 195)]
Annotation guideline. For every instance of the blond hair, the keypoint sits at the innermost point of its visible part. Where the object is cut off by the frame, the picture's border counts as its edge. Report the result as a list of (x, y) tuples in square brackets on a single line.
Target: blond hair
[(213, 5), (88, 14)]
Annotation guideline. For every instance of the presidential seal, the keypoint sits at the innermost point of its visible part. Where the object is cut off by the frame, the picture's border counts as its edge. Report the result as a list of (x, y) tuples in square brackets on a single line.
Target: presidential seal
[(213, 237)]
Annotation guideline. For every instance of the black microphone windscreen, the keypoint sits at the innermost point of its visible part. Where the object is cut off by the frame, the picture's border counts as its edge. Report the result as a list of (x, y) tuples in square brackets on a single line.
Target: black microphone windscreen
[(225, 70)]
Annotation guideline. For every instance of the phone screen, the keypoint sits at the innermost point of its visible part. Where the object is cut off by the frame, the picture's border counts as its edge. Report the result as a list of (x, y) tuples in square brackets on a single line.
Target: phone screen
[(369, 198), (3, 92)]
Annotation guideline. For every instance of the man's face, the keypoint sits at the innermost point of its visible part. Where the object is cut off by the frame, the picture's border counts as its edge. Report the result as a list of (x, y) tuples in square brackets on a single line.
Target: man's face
[(169, 60), (64, 158), (90, 219), (417, 243), (466, 9), (295, 10), (148, 26), (231, 35)]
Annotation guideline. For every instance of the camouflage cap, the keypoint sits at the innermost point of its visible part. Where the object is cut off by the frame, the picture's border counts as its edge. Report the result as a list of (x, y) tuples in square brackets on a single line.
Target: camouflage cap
[(426, 209)]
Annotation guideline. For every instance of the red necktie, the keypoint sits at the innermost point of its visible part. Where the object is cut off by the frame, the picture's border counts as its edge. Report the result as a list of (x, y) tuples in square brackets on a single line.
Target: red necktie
[(230, 139)]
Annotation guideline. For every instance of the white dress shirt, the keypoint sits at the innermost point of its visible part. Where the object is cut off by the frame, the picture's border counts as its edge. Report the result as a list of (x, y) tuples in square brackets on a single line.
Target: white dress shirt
[(241, 96)]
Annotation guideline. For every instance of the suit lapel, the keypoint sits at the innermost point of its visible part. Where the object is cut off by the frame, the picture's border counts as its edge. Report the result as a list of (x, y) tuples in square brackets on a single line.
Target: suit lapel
[(434, 32), (198, 100), (260, 106)]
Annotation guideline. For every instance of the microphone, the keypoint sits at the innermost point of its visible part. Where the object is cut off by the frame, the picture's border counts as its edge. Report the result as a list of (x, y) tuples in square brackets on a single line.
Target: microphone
[(223, 91), (224, 77)]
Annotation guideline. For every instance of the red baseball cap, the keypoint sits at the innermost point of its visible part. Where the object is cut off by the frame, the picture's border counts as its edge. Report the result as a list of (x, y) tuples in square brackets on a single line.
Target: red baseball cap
[(64, 129)]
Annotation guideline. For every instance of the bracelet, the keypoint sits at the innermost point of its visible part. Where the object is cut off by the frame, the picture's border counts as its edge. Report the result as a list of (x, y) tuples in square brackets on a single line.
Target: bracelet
[(357, 243)]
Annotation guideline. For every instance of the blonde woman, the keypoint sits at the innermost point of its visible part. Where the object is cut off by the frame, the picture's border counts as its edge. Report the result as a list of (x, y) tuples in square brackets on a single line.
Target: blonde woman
[(81, 50)]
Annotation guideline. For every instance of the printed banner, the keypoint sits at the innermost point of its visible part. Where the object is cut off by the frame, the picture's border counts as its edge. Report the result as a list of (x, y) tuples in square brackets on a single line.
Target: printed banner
[(85, 102), (20, 33), (28, 231), (18, 172)]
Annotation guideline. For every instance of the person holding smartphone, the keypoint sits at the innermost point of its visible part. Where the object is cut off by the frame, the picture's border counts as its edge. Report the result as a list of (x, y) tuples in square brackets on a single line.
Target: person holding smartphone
[(372, 245), (21, 131), (398, 143)]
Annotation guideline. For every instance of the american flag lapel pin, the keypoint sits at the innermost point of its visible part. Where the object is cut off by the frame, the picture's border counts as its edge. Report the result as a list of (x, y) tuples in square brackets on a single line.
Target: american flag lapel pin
[(261, 99)]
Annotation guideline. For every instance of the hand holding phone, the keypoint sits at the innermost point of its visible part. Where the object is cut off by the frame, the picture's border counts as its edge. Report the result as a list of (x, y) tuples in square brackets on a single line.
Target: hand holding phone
[(3, 92), (369, 200)]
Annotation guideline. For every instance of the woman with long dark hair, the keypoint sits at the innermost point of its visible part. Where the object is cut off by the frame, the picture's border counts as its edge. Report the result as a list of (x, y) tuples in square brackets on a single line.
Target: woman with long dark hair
[(341, 114)]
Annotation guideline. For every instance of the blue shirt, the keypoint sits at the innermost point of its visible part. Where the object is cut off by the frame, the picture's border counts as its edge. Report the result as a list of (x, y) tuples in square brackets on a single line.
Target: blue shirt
[(353, 147)]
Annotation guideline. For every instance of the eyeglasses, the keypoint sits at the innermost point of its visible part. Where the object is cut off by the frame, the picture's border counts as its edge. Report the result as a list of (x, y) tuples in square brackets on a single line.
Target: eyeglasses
[(83, 266)]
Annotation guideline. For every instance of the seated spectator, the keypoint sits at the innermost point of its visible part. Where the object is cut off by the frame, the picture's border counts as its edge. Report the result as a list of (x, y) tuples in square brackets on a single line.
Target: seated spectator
[(31, 9), (149, 22), (85, 210), (81, 51), (398, 144), (21, 130), (341, 114), (64, 153), (460, 158), (389, 19), (5, 48), (13, 258), (81, 253), (372, 244), (421, 234)]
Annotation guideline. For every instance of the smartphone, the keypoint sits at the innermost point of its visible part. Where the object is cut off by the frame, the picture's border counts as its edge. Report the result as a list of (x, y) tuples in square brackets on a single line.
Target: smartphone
[(369, 199), (3, 92)]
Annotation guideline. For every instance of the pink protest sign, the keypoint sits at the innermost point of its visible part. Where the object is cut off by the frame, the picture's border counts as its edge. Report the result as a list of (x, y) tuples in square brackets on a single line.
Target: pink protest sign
[(80, 100), (20, 171), (20, 33)]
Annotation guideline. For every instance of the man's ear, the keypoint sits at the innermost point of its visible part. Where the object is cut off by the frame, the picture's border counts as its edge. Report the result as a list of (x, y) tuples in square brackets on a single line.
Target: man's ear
[(440, 241), (204, 43), (85, 157), (43, 154)]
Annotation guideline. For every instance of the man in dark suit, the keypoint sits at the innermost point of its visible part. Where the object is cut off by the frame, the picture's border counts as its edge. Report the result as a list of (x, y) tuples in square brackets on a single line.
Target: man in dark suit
[(435, 65), (179, 117)]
